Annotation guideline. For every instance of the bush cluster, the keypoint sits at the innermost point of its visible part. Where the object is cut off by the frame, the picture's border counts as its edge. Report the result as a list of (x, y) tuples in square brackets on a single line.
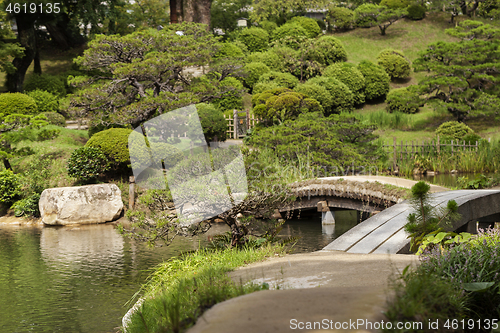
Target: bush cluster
[(340, 18), (229, 50), (281, 79), (45, 101), (365, 15), (55, 118), (395, 63), (269, 26), (328, 50), (416, 12), (454, 130), (27, 206), (253, 72), (230, 100), (395, 4), (342, 97), (376, 80), (50, 83), (10, 186), (348, 74), (270, 58), (255, 39), (403, 100), (310, 25), (17, 103), (317, 92), (212, 122), (293, 30)]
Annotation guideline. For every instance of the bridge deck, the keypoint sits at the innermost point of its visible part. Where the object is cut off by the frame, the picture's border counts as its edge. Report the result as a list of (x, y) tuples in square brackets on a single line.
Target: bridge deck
[(383, 233)]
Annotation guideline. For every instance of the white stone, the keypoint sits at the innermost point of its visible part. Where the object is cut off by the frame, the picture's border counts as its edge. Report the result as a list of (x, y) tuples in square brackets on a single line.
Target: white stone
[(81, 204)]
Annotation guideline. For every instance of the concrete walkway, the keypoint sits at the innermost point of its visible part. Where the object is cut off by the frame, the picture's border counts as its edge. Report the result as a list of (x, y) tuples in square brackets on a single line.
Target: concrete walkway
[(401, 182), (327, 287)]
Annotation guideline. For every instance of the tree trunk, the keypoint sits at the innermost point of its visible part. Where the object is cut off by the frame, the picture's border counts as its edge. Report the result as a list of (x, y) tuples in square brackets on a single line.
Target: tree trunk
[(58, 36), (38, 66), (196, 11), (173, 11), (188, 10), (6, 164), (204, 7), (26, 37)]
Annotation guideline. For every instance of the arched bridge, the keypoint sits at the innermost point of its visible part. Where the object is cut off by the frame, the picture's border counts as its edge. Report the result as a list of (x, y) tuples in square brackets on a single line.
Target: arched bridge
[(384, 233)]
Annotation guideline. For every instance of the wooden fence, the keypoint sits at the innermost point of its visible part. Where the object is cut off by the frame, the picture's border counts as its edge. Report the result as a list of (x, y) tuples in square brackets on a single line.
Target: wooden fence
[(408, 149), (238, 125)]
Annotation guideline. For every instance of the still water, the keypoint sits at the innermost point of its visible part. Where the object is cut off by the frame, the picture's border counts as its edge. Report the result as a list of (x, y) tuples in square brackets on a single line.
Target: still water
[(78, 279), (448, 179)]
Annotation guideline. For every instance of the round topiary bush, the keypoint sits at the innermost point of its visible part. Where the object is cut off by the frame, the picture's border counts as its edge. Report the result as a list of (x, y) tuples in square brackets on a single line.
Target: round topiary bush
[(328, 50), (17, 103), (87, 163), (229, 50), (55, 118), (45, 101), (395, 4), (310, 25), (340, 18), (376, 80), (317, 92), (269, 26), (403, 100), (454, 130), (270, 58), (281, 79), (293, 30), (10, 186), (253, 72), (416, 12), (232, 99), (342, 97), (349, 75), (255, 39), (50, 83), (395, 63), (263, 86), (212, 121), (113, 143)]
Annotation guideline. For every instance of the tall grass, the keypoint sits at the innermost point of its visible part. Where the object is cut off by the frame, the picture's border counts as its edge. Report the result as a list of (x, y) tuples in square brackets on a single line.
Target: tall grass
[(383, 119), (181, 289)]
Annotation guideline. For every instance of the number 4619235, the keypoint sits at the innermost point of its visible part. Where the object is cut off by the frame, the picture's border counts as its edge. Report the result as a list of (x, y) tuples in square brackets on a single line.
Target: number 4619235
[(33, 8)]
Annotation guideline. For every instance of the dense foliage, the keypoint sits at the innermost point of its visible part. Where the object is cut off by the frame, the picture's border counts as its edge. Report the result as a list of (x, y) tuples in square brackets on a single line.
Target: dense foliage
[(376, 80), (416, 12), (253, 72), (10, 186), (348, 74), (317, 92), (403, 100), (337, 141), (327, 50), (395, 63), (454, 130), (230, 101), (293, 30), (113, 143), (340, 18), (50, 83), (281, 79), (87, 163), (212, 122), (255, 39), (308, 24), (342, 97), (45, 101), (17, 103)]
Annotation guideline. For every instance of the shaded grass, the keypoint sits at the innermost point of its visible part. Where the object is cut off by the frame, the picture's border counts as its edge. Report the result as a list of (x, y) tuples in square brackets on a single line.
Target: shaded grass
[(182, 288)]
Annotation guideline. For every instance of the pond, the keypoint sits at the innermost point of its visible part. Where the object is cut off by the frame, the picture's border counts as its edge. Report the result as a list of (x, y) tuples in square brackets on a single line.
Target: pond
[(79, 279), (448, 179)]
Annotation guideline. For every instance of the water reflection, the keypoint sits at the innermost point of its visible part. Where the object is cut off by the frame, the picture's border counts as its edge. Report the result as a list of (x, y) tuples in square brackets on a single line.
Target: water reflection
[(448, 179)]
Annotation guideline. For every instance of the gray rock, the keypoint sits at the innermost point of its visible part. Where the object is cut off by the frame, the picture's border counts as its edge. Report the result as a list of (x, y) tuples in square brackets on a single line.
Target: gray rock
[(81, 204)]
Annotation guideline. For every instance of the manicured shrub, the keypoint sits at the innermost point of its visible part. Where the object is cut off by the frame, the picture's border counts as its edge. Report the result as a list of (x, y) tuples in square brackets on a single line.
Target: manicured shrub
[(229, 50), (10, 186), (340, 18), (270, 58), (376, 80), (416, 12), (50, 83), (253, 72), (365, 16), (255, 39), (349, 75), (17, 103), (281, 79), (87, 163), (47, 134), (282, 104), (55, 118), (403, 100), (113, 143), (293, 30), (342, 97), (310, 25), (240, 45), (454, 130), (212, 121), (269, 26), (263, 86), (328, 50), (231, 100), (45, 101), (395, 63), (317, 92), (395, 4)]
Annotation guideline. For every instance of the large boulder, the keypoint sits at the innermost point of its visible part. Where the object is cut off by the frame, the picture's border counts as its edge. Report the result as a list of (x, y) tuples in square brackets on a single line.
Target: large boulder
[(81, 204)]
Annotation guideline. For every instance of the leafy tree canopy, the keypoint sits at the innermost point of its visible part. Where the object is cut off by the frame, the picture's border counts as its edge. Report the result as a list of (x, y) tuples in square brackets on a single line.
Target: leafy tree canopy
[(463, 76), (282, 10), (144, 74)]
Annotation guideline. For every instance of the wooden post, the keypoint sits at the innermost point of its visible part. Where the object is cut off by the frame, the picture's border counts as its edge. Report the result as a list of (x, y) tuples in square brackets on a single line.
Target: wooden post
[(451, 147), (476, 145), (401, 149), (438, 144), (464, 145), (395, 155), (235, 123), (131, 192), (248, 120)]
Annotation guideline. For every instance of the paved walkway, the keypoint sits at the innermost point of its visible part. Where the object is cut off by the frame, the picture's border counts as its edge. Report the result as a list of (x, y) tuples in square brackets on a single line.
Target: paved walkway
[(331, 286), (401, 182)]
